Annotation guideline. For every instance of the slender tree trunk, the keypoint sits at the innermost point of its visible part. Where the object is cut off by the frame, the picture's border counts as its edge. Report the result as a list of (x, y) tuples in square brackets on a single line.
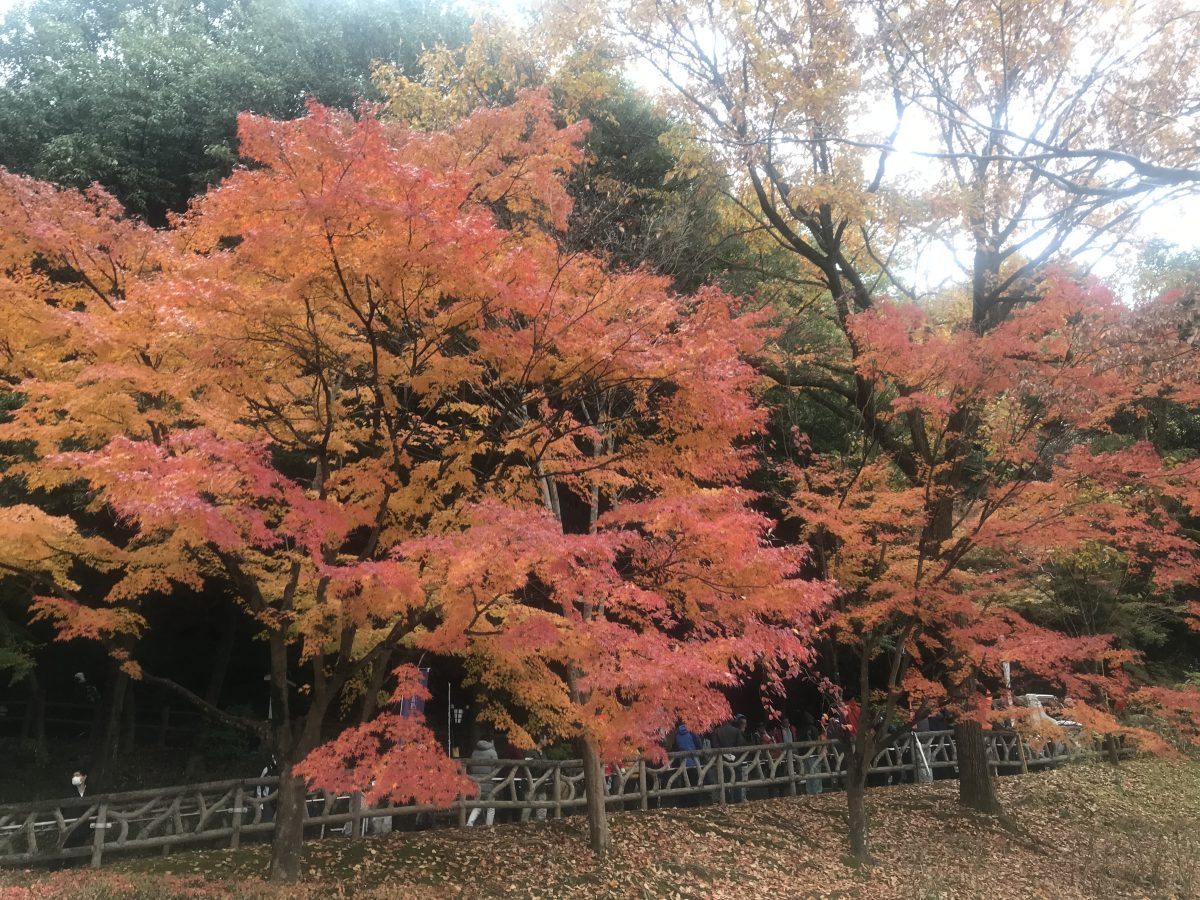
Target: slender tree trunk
[(128, 737), (33, 726), (106, 747), (216, 681), (288, 840), (856, 804), (976, 790), (593, 781)]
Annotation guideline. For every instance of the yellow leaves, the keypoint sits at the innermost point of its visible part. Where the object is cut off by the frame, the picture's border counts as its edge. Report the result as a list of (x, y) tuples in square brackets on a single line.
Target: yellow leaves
[(488, 71), (37, 545)]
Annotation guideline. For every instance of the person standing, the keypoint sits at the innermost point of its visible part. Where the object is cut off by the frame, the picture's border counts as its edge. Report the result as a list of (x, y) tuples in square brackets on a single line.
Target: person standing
[(267, 794), (726, 737), (482, 769), (689, 767), (79, 832), (784, 733)]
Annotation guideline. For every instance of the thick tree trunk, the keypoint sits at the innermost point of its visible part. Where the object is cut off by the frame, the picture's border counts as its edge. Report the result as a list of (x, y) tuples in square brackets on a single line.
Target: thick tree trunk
[(374, 685), (856, 805), (593, 781), (976, 790), (216, 681), (1112, 749), (288, 839)]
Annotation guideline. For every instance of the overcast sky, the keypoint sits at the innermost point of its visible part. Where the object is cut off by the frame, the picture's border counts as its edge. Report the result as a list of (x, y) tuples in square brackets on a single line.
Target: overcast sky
[(1177, 222)]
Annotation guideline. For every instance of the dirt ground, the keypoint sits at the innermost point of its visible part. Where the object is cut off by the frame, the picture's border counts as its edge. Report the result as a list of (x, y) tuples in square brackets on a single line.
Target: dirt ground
[(1081, 831)]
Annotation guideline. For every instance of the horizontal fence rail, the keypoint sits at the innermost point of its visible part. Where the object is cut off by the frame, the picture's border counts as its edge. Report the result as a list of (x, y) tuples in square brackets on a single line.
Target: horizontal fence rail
[(222, 813)]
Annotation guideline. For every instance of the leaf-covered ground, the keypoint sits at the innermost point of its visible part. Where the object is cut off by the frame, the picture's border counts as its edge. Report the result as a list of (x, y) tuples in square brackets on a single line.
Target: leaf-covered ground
[(1082, 831)]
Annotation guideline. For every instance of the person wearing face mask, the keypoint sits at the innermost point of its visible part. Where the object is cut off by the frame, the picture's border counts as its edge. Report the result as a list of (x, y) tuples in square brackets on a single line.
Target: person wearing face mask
[(81, 833)]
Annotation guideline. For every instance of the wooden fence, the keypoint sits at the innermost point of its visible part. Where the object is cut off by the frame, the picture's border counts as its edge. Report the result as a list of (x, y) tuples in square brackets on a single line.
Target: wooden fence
[(223, 813)]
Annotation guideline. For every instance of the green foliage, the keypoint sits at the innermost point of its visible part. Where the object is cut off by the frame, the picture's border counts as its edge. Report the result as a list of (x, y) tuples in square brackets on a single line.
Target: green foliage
[(638, 203), (143, 97), (1164, 267)]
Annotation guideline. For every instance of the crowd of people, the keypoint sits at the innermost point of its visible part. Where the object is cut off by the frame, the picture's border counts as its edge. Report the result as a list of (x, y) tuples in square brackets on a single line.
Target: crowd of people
[(688, 778)]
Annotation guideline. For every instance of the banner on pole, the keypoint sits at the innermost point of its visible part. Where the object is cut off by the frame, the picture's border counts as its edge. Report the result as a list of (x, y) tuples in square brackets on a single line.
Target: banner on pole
[(415, 705)]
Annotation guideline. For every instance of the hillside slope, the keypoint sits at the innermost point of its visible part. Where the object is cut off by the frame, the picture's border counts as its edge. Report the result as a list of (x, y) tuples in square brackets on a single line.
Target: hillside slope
[(1081, 831)]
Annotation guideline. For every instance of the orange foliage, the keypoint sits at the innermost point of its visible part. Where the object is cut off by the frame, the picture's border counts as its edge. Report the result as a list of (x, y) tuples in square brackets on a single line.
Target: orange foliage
[(360, 384)]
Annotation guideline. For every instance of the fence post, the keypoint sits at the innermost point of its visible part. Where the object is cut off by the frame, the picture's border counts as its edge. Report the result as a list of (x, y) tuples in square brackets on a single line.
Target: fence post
[(642, 783), (100, 826), (720, 762), (791, 769), (1021, 754), (558, 789), (462, 811), (239, 800)]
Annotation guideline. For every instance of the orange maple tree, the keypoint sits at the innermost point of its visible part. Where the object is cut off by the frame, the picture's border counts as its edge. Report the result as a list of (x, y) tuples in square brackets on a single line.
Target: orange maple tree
[(360, 385), (615, 579)]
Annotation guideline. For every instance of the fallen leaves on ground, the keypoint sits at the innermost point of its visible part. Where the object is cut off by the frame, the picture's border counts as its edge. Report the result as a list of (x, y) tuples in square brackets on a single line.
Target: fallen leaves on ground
[(1082, 831)]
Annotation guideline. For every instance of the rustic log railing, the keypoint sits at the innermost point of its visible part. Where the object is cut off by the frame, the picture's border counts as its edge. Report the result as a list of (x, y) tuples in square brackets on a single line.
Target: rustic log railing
[(223, 813)]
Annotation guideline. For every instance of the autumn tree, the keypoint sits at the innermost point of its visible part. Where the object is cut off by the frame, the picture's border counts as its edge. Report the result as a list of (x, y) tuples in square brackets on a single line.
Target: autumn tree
[(1028, 159), (929, 625), (616, 579), (262, 395), (338, 375), (647, 193)]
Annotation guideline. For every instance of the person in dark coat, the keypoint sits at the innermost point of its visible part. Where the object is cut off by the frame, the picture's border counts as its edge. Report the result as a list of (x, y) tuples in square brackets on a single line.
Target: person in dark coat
[(81, 835), (729, 735)]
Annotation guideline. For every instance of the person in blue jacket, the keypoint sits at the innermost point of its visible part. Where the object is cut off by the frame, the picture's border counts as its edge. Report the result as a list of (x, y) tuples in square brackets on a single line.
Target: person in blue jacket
[(690, 767)]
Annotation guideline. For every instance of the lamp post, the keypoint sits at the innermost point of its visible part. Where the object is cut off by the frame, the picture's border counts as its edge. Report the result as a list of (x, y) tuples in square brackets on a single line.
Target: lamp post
[(457, 713), (454, 716)]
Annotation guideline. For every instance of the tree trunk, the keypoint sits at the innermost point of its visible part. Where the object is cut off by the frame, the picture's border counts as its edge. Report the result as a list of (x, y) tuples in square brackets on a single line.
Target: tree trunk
[(1111, 748), (33, 726), (288, 839), (593, 782), (976, 790), (856, 804), (374, 685), (216, 680), (105, 752), (128, 737)]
